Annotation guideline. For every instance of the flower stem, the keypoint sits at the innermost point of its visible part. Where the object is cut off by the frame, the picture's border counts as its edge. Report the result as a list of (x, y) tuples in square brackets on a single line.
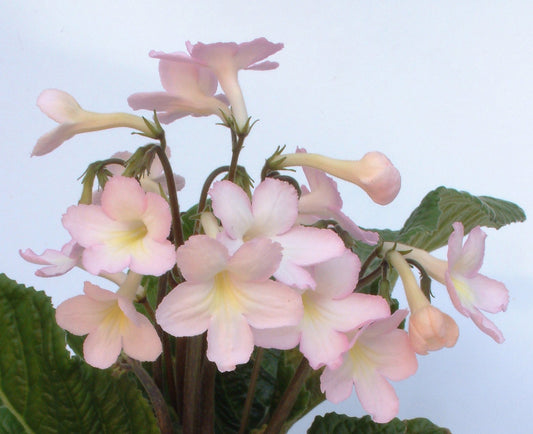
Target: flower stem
[(289, 398), (172, 195), (237, 144), (192, 383), (251, 390), (156, 398)]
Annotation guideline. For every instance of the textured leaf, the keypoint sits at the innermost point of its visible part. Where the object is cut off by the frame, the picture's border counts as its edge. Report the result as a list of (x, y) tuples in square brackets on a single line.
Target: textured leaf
[(45, 390), (231, 390), (333, 423), (430, 224)]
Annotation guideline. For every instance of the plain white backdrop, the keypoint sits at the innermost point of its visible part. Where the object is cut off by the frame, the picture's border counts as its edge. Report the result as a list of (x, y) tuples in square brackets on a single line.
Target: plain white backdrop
[(444, 88)]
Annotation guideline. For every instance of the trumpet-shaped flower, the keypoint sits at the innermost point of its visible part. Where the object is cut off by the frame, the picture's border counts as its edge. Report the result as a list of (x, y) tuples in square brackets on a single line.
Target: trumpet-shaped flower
[(329, 310), (129, 229), (378, 352), (272, 214), (323, 201), (190, 90), (226, 295), (225, 59), (429, 328), (64, 109), (469, 290), (374, 173), (56, 262), (112, 324)]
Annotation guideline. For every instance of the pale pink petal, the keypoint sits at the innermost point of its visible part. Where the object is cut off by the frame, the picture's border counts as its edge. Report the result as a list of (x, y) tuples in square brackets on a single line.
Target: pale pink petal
[(358, 234), (153, 257), (186, 79), (168, 107), (471, 258), (123, 198), (282, 338), (232, 206), (53, 139), (185, 311), (99, 294), (486, 326), (201, 258), (322, 345), (294, 275), (274, 207), (88, 224), (141, 342), (98, 258), (308, 246), (338, 276), (58, 263), (490, 295), (256, 260), (81, 314), (229, 340), (157, 217), (58, 105), (102, 346), (270, 304), (377, 396), (337, 383), (455, 244)]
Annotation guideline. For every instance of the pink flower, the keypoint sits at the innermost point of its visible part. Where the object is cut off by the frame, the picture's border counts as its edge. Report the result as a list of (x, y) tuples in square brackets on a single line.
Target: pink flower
[(190, 90), (378, 352), (57, 262), (225, 59), (226, 295), (64, 109), (429, 328), (112, 324), (272, 214), (374, 173), (323, 201), (469, 290), (329, 310), (129, 229)]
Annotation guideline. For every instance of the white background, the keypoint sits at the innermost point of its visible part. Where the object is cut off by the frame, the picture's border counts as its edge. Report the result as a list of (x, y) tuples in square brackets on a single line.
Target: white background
[(444, 88)]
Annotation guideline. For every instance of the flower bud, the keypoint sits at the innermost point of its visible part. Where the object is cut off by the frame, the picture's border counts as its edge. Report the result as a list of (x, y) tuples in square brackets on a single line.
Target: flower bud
[(374, 173)]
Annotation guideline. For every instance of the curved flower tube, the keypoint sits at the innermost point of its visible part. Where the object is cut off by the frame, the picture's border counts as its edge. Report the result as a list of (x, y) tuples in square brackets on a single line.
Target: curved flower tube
[(64, 109)]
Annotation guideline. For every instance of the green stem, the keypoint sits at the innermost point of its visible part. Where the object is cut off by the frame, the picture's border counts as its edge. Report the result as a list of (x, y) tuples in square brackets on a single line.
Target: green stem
[(251, 390), (156, 398), (205, 190), (237, 143), (369, 278), (289, 398)]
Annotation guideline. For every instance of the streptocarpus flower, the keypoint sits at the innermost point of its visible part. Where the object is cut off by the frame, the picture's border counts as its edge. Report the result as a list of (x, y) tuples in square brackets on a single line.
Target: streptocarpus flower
[(378, 352), (272, 214), (190, 90), (225, 59), (429, 328), (470, 291), (64, 109), (56, 262), (226, 295), (112, 324), (129, 229), (329, 310), (374, 173), (323, 201)]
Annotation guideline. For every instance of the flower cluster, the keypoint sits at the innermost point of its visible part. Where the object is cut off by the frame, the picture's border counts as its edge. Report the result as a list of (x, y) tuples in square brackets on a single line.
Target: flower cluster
[(277, 267)]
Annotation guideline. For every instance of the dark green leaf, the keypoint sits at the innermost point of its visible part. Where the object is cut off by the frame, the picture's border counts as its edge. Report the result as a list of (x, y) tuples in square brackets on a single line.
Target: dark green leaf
[(44, 390), (333, 423)]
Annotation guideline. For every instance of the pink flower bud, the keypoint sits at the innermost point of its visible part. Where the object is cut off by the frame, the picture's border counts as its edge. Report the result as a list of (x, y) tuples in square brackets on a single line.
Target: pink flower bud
[(374, 173), (430, 330)]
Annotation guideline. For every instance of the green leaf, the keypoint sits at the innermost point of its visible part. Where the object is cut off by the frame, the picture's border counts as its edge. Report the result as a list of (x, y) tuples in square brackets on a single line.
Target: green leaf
[(44, 390), (429, 226), (231, 390), (333, 423), (188, 220)]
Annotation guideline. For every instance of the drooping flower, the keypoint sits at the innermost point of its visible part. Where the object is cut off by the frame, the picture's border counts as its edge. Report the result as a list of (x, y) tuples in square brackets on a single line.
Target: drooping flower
[(226, 295), (272, 214), (189, 90), (64, 109), (112, 324), (378, 352), (225, 59), (56, 262), (129, 229), (374, 173), (329, 310), (323, 201), (429, 328), (470, 291)]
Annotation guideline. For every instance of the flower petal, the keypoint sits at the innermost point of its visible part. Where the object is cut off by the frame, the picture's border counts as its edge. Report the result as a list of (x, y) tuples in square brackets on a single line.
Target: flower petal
[(123, 199), (201, 258), (232, 206), (256, 260)]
